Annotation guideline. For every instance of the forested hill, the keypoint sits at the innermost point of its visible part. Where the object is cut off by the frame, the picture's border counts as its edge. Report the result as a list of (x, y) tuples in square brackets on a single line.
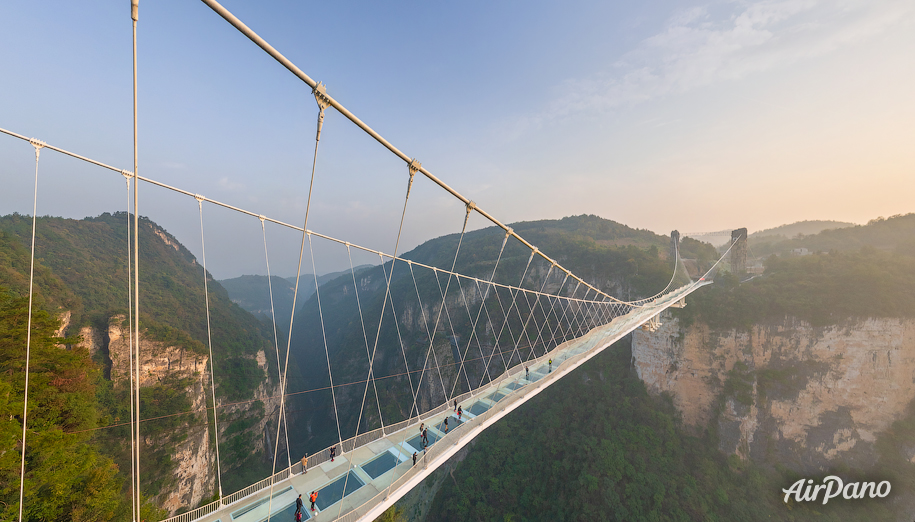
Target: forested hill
[(598, 447), (619, 260), (81, 288), (856, 272), (83, 269), (896, 233), (804, 228)]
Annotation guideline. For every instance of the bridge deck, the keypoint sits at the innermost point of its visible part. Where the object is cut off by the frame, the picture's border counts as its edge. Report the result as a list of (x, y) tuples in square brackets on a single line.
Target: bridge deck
[(387, 460)]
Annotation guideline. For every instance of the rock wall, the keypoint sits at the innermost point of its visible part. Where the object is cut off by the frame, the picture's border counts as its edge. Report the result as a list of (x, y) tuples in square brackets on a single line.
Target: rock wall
[(809, 397), (190, 445), (195, 474)]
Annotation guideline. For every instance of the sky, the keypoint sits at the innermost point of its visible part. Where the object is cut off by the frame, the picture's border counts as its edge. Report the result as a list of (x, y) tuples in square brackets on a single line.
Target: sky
[(660, 115)]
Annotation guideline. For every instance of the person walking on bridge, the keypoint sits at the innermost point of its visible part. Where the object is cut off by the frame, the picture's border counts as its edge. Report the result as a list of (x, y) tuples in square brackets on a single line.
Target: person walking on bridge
[(333, 452), (455, 406), (298, 507), (313, 498), (460, 411), (551, 366), (446, 424)]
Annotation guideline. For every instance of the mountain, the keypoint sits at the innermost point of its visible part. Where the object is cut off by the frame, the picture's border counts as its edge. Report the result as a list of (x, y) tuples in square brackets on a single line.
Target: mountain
[(896, 233), (805, 370), (252, 293), (804, 228), (617, 259), (81, 283), (330, 276)]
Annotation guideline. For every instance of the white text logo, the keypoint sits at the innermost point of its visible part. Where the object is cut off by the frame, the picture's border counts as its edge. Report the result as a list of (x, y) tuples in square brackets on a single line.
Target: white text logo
[(832, 487)]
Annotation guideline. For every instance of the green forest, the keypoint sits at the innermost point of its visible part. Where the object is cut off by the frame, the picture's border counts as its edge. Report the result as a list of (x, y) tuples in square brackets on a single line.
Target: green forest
[(869, 276), (596, 446), (67, 476), (615, 258), (77, 464)]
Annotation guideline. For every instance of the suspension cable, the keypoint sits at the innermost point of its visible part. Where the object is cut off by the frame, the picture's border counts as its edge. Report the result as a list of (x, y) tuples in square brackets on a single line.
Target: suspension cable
[(413, 167), (206, 294), (469, 208), (365, 336), (429, 335), (514, 296), (330, 374), (28, 332), (281, 421), (133, 416), (483, 305), (134, 16), (454, 337), (285, 62)]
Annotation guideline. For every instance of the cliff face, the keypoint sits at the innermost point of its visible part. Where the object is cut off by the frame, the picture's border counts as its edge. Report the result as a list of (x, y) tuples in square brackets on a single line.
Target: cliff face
[(194, 476), (188, 445), (809, 397)]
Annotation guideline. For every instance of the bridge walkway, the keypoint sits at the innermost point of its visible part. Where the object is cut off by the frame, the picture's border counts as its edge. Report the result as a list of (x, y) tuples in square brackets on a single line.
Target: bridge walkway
[(373, 467)]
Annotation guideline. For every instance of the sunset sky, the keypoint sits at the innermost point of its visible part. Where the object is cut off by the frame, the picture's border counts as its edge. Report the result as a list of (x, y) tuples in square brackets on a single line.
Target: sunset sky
[(659, 115)]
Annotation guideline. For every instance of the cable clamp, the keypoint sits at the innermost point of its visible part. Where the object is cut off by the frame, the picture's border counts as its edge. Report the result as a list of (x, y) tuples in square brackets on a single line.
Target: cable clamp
[(262, 218), (509, 231), (308, 232), (320, 92), (414, 167), (471, 206), (37, 143), (127, 173), (199, 198)]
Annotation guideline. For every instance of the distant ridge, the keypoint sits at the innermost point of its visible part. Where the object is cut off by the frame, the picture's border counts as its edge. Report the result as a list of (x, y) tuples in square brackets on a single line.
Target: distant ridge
[(252, 293), (801, 227)]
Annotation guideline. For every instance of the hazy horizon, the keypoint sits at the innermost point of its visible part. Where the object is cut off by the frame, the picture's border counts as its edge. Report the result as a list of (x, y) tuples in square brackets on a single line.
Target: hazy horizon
[(660, 116)]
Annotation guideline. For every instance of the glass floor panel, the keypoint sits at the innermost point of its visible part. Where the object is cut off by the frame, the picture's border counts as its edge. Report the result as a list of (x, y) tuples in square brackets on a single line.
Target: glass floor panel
[(380, 465), (514, 385), (496, 397), (287, 514), (452, 423), (333, 492), (478, 408), (417, 441), (255, 505)]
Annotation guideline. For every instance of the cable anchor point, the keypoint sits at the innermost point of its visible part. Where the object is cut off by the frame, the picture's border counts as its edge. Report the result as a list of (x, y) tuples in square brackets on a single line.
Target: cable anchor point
[(320, 93), (414, 167), (471, 206), (38, 144)]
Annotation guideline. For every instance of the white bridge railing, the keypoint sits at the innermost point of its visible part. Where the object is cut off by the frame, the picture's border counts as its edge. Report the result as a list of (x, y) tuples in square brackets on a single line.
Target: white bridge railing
[(593, 342)]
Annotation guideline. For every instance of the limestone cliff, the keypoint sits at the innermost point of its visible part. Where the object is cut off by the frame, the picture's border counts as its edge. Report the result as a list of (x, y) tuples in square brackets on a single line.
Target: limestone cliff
[(194, 473), (188, 444), (807, 397)]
